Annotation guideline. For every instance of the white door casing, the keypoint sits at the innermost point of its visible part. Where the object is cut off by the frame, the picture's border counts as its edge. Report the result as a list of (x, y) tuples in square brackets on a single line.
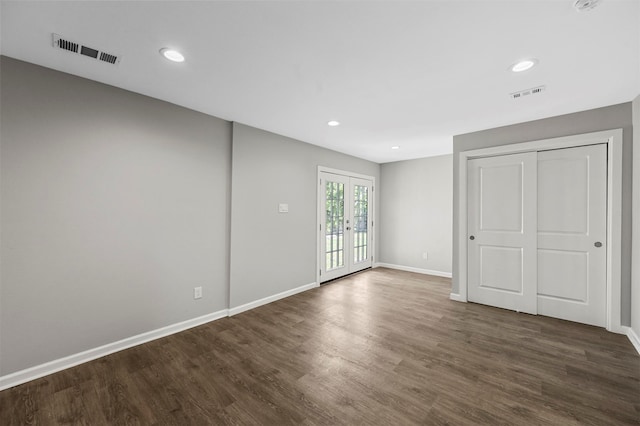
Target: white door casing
[(572, 193), (502, 231)]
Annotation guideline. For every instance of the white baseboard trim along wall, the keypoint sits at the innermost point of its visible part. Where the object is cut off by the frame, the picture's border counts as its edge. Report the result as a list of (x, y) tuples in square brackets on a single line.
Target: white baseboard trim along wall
[(633, 337), (38, 371), (269, 299), (456, 297), (412, 269), (51, 367)]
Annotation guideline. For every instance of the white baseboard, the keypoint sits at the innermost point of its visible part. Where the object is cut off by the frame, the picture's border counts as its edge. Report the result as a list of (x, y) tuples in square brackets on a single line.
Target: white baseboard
[(239, 309), (32, 373), (635, 340), (619, 329), (456, 297), (51, 367), (412, 269)]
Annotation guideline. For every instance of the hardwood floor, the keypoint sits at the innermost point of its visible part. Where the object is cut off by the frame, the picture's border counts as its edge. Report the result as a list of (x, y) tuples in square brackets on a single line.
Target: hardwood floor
[(379, 347)]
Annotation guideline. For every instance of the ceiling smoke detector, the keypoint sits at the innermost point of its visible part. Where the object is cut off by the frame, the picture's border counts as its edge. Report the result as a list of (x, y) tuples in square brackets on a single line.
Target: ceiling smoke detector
[(71, 46), (586, 5)]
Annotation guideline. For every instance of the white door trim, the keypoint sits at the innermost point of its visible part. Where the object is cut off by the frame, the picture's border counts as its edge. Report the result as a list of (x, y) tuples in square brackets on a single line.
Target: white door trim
[(324, 169), (613, 139), (344, 173)]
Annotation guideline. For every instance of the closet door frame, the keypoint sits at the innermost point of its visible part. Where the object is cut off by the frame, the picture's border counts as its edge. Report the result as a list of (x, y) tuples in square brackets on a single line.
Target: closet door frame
[(613, 139)]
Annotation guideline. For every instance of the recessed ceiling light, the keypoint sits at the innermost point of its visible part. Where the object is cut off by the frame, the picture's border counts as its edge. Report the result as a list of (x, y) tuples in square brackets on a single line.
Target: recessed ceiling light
[(172, 55), (395, 147), (524, 65), (333, 123)]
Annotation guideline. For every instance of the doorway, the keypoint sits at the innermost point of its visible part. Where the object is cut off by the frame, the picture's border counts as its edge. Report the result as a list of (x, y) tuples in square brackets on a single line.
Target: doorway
[(537, 223), (612, 139), (345, 206)]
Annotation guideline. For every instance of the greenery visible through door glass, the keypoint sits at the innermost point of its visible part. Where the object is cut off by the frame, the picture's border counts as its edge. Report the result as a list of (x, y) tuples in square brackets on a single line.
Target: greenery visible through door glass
[(360, 222), (334, 232)]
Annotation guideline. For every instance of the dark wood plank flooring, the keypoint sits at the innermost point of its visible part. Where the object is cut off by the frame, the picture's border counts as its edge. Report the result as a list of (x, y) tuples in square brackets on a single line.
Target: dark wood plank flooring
[(379, 347)]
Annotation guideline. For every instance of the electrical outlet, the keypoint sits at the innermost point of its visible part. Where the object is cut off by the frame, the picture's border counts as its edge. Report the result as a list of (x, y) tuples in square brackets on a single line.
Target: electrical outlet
[(197, 292), (425, 255)]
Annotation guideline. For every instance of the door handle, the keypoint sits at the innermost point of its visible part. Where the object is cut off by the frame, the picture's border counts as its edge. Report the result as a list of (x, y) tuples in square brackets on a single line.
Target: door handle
[(598, 244), (472, 238)]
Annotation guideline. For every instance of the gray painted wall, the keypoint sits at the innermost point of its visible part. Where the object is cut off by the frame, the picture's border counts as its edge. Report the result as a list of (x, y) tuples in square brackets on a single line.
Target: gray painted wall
[(635, 285), (416, 213), (274, 252), (114, 207), (611, 117)]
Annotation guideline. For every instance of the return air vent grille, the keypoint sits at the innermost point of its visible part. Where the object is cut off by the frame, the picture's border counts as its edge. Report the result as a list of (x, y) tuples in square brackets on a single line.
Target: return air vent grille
[(68, 45), (112, 59), (90, 52), (527, 92)]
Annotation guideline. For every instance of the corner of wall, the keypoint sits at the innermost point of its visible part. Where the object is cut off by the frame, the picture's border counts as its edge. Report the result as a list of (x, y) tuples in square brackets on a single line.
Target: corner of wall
[(635, 226)]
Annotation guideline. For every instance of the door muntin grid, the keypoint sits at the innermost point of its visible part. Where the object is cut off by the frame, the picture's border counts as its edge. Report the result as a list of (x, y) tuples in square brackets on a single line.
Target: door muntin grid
[(360, 223), (334, 225)]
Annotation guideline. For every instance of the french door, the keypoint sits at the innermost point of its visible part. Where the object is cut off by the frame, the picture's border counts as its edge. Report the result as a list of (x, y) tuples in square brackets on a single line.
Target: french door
[(537, 227), (345, 225)]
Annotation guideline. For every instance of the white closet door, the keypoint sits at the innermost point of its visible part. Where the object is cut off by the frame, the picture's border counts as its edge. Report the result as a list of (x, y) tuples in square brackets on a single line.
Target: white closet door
[(572, 193), (502, 231)]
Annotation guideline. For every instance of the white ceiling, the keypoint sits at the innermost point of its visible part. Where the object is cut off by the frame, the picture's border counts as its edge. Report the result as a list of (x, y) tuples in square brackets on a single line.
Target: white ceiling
[(411, 74)]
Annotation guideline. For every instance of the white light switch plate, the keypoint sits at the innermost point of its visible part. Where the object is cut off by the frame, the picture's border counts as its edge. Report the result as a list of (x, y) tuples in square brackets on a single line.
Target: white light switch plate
[(283, 208)]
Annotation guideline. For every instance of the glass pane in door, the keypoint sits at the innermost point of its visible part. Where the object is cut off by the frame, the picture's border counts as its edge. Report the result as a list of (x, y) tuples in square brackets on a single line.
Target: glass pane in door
[(334, 226), (360, 222)]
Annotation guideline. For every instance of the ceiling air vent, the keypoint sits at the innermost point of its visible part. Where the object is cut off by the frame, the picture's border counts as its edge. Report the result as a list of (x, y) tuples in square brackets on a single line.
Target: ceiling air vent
[(112, 59), (68, 45), (527, 92), (90, 52)]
